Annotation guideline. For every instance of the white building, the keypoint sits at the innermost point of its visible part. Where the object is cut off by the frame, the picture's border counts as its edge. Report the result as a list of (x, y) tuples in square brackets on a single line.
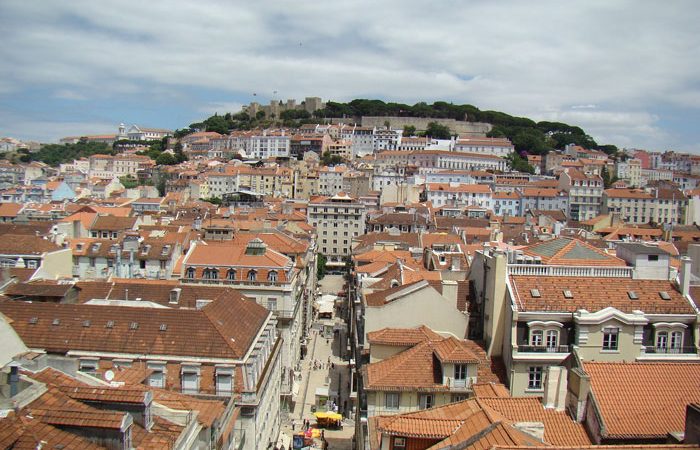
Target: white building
[(485, 146), (457, 194), (338, 220)]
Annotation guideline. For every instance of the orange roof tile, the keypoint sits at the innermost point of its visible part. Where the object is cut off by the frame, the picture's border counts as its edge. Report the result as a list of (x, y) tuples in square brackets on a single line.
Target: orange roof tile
[(643, 400), (594, 294)]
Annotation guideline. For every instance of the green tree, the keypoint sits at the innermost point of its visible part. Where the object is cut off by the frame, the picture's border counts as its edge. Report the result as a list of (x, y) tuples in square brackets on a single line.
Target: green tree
[(128, 181), (437, 131), (330, 160), (608, 180), (321, 261), (166, 159), (213, 200), (517, 162), (409, 130)]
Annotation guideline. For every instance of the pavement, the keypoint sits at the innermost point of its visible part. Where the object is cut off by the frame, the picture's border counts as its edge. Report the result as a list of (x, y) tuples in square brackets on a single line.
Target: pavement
[(322, 351)]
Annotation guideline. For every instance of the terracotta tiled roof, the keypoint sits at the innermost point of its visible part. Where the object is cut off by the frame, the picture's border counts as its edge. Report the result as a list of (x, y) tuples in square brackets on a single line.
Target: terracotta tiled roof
[(14, 244), (10, 209), (643, 400), (569, 251), (105, 222), (30, 433), (219, 330), (594, 294), (487, 390), (39, 288), (234, 255), (156, 291), (402, 336), (559, 428)]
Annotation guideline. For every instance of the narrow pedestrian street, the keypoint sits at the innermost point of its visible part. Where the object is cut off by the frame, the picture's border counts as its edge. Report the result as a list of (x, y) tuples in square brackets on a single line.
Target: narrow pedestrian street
[(324, 381)]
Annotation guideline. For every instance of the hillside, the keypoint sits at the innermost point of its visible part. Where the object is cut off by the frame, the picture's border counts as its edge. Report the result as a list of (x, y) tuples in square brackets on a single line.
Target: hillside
[(527, 135)]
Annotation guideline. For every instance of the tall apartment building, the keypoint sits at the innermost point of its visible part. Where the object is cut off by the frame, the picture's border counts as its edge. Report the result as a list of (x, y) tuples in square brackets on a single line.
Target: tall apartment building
[(338, 220), (638, 206), (630, 171), (585, 193)]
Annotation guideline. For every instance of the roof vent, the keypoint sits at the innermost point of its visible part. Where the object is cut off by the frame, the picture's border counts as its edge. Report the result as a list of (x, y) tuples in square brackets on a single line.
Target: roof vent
[(632, 295), (664, 295), (33, 320), (56, 322), (86, 323), (133, 325), (568, 294), (535, 293), (110, 324), (163, 327)]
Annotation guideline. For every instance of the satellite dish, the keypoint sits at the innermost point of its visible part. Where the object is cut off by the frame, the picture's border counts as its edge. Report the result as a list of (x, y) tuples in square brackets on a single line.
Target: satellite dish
[(109, 375)]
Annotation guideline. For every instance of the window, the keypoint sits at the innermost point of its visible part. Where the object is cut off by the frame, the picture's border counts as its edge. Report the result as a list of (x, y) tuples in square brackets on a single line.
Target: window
[(458, 397), (252, 275), (536, 338), (391, 400), (224, 381), (552, 339), (460, 371), (676, 342), (211, 274), (127, 439), (399, 442), (662, 341), (189, 273), (272, 304), (157, 377), (610, 338), (272, 276), (535, 377), (190, 379), (231, 274), (652, 257), (88, 366), (426, 401)]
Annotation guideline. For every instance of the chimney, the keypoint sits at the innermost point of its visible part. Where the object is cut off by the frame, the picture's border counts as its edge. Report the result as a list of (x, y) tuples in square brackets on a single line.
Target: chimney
[(555, 387), (449, 290), (684, 275), (456, 263)]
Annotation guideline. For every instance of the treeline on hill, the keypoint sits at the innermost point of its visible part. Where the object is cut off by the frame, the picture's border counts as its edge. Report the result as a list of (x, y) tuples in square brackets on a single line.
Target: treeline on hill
[(527, 135), (55, 154)]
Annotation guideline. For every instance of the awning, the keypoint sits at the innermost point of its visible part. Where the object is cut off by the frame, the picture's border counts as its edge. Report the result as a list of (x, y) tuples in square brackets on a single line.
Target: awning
[(328, 415)]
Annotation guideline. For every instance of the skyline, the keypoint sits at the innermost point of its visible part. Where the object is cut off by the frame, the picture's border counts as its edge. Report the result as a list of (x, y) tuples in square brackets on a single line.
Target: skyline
[(626, 72)]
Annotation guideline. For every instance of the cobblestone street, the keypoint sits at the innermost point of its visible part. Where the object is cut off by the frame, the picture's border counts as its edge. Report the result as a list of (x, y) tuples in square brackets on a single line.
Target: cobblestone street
[(322, 370)]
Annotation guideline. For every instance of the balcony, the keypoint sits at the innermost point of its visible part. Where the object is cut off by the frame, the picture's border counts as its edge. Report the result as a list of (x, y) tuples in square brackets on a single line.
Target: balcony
[(543, 349), (460, 384), (567, 271), (670, 351)]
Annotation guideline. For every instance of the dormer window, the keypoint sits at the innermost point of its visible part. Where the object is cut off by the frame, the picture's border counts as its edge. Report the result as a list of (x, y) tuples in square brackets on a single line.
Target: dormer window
[(272, 276), (146, 249), (190, 273), (252, 275), (231, 274), (211, 274), (166, 250), (95, 247)]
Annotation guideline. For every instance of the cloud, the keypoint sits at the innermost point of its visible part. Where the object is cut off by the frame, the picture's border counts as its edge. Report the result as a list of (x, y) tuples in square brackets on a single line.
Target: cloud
[(624, 58)]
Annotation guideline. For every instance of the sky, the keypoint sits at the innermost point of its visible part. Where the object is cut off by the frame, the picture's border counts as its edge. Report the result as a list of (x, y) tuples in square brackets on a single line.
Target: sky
[(626, 71)]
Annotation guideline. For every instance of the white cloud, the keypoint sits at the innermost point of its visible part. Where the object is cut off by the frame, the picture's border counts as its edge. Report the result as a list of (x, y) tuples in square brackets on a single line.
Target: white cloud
[(518, 57)]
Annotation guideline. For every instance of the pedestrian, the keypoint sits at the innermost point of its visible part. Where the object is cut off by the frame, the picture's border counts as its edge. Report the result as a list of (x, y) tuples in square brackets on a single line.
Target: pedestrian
[(292, 425), (332, 366)]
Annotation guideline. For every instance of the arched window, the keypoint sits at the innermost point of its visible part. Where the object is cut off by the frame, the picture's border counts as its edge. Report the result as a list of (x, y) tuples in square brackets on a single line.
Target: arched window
[(252, 275), (190, 272), (231, 274), (272, 276), (211, 274), (536, 338)]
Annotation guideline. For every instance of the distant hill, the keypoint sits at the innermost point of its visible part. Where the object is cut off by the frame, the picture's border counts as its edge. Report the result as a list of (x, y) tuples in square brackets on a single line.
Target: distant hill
[(527, 135)]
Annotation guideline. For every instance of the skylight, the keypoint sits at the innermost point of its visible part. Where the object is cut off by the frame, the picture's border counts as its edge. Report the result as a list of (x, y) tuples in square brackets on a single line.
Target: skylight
[(110, 324), (133, 325), (664, 295), (535, 293), (632, 295), (568, 294)]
